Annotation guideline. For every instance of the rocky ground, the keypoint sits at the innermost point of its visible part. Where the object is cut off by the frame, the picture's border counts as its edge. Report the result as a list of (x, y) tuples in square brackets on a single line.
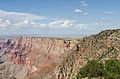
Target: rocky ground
[(102, 46)]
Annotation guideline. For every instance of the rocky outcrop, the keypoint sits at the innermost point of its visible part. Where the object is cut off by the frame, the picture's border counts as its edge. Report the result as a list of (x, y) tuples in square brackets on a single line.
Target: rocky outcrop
[(3, 47), (9, 70), (39, 55), (102, 46)]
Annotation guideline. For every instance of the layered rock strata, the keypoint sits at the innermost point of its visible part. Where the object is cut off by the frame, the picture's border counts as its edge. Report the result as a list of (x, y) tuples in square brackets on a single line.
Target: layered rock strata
[(39, 55)]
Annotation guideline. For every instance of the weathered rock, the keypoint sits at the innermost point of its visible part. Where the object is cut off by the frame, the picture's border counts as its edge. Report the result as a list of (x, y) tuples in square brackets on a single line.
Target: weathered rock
[(103, 46), (38, 55), (10, 70)]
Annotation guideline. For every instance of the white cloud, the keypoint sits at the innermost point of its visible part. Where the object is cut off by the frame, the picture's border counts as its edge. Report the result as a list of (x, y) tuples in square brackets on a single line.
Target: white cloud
[(15, 20), (85, 13), (16, 16), (29, 24), (81, 26), (101, 22), (81, 11), (109, 12), (82, 2), (20, 24), (67, 24), (32, 22), (78, 10), (4, 23), (95, 24), (61, 24), (26, 21), (85, 4), (40, 25)]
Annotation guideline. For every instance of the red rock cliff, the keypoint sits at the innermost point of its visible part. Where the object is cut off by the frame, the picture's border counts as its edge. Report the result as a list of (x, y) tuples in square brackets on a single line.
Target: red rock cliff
[(37, 53)]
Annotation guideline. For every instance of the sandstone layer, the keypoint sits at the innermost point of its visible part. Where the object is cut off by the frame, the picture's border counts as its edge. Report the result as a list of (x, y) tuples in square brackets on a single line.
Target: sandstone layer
[(38, 55)]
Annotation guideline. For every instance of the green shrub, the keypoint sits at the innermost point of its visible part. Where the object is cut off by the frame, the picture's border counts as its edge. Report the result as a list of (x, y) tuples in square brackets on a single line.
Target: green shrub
[(93, 69), (112, 69)]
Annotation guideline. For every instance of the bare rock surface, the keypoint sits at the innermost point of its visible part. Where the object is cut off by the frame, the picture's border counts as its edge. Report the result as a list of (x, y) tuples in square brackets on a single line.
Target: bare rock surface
[(102, 46), (11, 70), (32, 56)]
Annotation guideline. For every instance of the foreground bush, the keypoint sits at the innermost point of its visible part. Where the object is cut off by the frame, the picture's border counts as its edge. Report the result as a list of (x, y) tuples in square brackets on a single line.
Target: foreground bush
[(112, 69), (95, 69), (92, 69)]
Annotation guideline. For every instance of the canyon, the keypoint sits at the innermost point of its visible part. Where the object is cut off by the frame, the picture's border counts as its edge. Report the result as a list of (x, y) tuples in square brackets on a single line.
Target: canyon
[(35, 56), (53, 58)]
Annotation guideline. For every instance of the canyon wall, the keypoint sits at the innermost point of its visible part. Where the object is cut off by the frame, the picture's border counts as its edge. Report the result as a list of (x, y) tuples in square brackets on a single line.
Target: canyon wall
[(46, 58), (9, 70), (39, 55)]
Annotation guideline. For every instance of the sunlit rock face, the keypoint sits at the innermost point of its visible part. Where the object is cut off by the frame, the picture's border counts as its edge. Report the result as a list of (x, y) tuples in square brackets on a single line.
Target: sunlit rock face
[(101, 47), (38, 55), (9, 70), (3, 47)]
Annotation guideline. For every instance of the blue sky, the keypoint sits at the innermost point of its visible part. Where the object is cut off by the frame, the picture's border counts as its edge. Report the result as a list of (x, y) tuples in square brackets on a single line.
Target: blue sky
[(54, 17)]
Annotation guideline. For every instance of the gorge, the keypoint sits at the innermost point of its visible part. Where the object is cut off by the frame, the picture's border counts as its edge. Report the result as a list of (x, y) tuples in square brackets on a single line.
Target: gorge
[(52, 58)]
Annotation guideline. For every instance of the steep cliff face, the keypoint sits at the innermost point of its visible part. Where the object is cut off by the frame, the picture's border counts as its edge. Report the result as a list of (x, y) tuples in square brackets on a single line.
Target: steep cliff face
[(9, 70), (103, 46), (39, 55), (4, 43)]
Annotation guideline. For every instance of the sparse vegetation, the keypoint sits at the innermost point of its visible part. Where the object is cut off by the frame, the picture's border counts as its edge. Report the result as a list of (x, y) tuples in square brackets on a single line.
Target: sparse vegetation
[(92, 69), (112, 69), (95, 69)]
